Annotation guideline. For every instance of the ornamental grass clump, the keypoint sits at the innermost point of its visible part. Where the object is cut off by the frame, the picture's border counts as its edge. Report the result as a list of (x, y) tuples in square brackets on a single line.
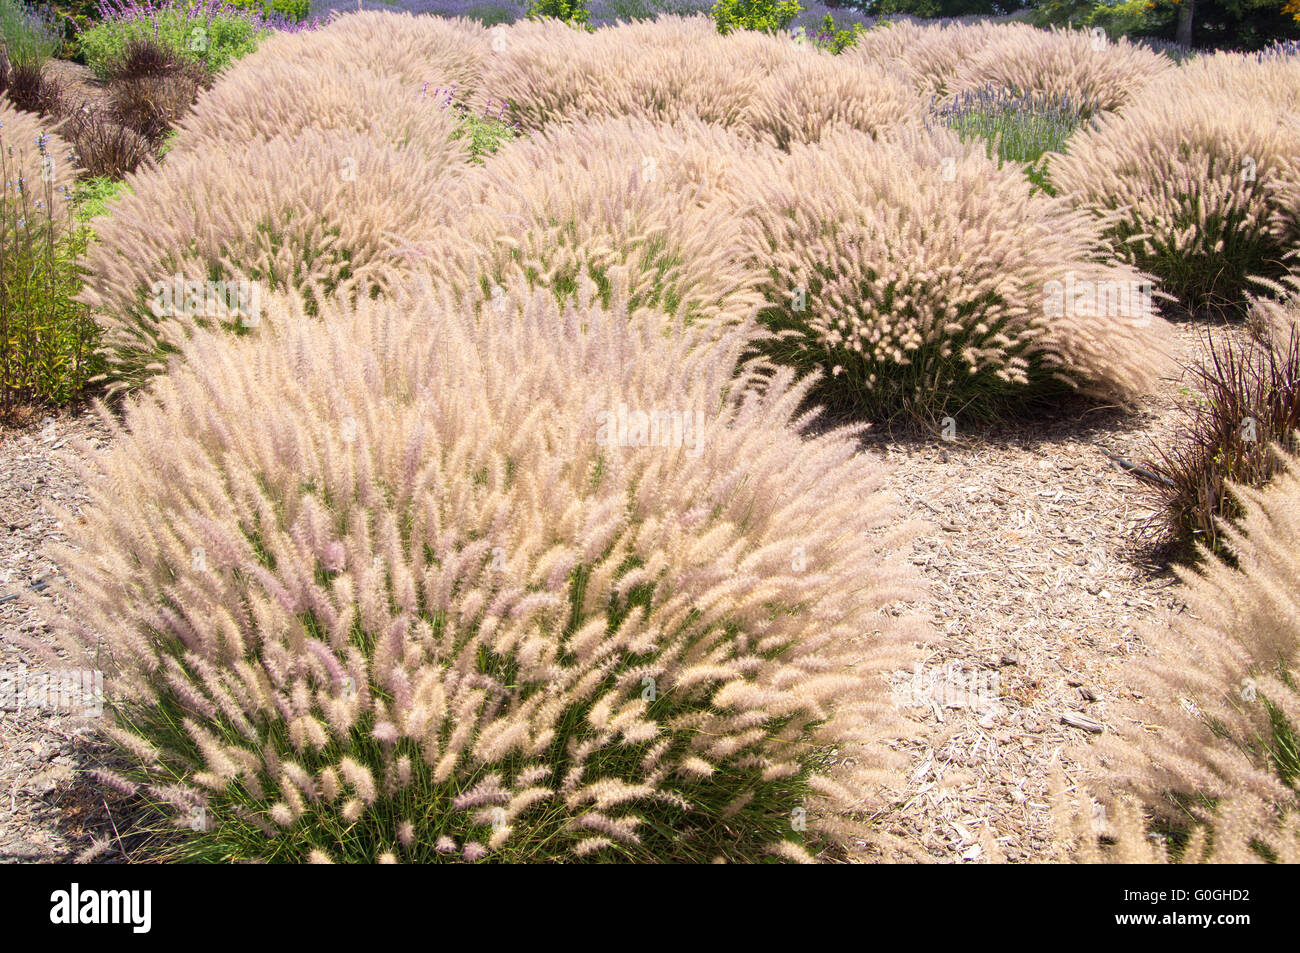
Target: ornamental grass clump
[(150, 88), (1198, 181), (927, 54), (819, 92), (1061, 64), (322, 213), (1248, 400), (659, 70), (411, 49), (277, 93), (924, 279), (673, 69), (429, 582), (1209, 746), (655, 207)]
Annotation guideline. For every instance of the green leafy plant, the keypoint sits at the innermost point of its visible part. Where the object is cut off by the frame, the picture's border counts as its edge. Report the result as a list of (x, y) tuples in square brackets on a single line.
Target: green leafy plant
[(485, 132), (47, 339), (766, 16), (573, 12), (211, 33), (91, 197), (830, 37)]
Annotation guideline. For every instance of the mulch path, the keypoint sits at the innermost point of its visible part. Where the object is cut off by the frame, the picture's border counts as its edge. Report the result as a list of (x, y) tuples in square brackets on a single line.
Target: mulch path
[(1044, 565), (49, 809)]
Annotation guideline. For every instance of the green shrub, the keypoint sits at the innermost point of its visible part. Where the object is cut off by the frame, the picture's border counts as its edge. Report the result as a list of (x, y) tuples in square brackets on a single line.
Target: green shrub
[(766, 16), (47, 339), (92, 196), (568, 11), (830, 37), (1216, 24), (290, 10), (837, 39), (213, 35)]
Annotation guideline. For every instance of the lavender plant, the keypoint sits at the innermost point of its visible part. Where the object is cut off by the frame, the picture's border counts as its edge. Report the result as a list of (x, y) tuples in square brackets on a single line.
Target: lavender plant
[(1018, 128), (47, 340), (27, 37), (213, 33)]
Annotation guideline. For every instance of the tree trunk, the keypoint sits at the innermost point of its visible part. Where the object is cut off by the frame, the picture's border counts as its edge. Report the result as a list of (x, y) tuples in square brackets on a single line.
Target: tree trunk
[(1183, 34)]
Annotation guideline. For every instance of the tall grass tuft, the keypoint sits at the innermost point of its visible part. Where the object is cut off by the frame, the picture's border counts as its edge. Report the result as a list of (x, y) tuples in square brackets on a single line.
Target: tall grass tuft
[(47, 339), (653, 206), (1198, 182), (924, 280), (432, 580), (325, 213), (1248, 401)]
